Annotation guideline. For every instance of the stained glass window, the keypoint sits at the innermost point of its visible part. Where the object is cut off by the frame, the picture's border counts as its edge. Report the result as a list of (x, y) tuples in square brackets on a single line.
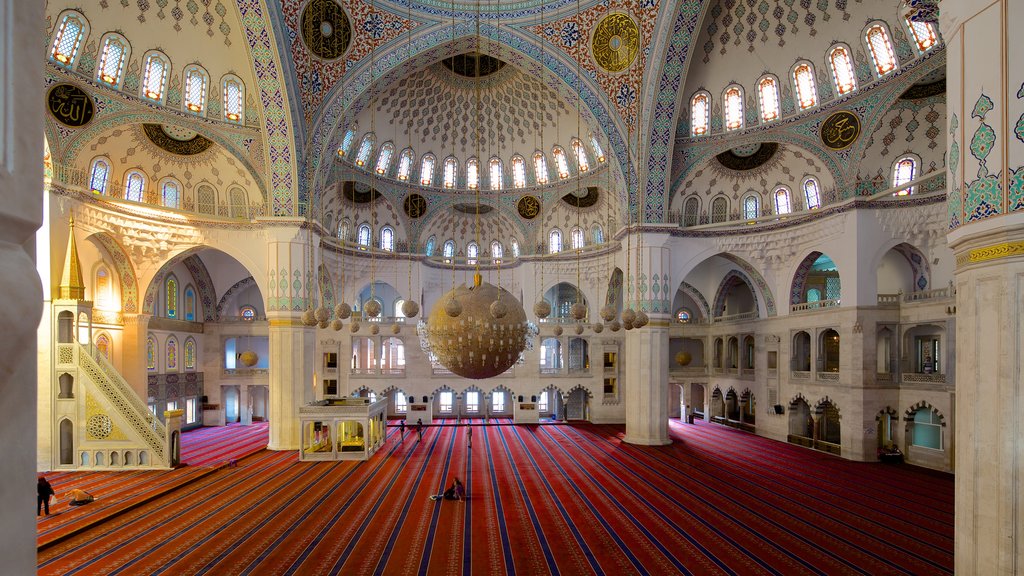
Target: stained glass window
[(691, 211), (803, 79), (881, 50), (190, 354), (363, 235), (155, 77), (171, 297), (683, 316), (427, 171), (768, 92), (343, 227), (67, 39), (431, 242), (448, 250), (405, 165), (150, 353), (561, 164), (751, 207), (555, 241), (598, 151), (172, 353), (247, 313), (387, 238), (472, 174), (112, 57), (598, 233), (811, 194), (98, 177), (133, 186), (472, 251), (904, 171), (924, 34), (782, 204), (496, 174), (733, 99), (581, 155), (700, 114), (496, 251), (576, 237), (170, 194), (515, 248), (234, 97), (102, 294), (540, 166), (719, 210), (103, 345), (387, 150), (842, 69), (346, 142), (195, 90), (365, 148), (451, 167), (190, 304), (518, 172)]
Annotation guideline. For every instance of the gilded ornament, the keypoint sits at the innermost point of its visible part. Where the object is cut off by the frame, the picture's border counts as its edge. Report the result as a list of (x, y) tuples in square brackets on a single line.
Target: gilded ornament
[(308, 317), (542, 309), (578, 311), (323, 324), (578, 329), (343, 311), (396, 329), (176, 140), (248, 358), (614, 326), (608, 313), (325, 29), (683, 358), (336, 324), (529, 207), (641, 319), (354, 326), (499, 309), (840, 130), (452, 307), (628, 316), (597, 328), (372, 308), (410, 308), (414, 205), (99, 426), (322, 314), (558, 331), (374, 329), (70, 105), (616, 42)]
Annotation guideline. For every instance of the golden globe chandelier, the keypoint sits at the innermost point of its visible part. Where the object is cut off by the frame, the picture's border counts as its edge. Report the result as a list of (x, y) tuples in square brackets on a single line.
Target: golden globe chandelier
[(480, 331)]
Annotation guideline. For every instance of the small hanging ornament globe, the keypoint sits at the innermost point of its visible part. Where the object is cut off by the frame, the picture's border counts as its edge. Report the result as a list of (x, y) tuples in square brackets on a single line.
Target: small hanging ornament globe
[(499, 309), (343, 311), (627, 325), (354, 326), (597, 328), (641, 319), (308, 318), (372, 309), (628, 315), (608, 313), (683, 358), (578, 329), (558, 331), (396, 328), (322, 314), (614, 326), (578, 311), (323, 324), (542, 309), (410, 308), (374, 329), (336, 324), (452, 307), (248, 358)]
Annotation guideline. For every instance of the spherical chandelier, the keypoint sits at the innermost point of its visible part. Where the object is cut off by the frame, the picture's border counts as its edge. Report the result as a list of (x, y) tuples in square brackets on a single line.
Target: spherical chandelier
[(475, 344)]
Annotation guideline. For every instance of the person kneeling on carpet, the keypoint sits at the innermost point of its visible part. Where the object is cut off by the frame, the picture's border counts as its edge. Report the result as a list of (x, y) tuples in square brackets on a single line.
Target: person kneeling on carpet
[(456, 492), (80, 497)]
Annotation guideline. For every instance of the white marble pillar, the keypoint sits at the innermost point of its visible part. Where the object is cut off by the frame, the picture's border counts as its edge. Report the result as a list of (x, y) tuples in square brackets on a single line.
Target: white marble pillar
[(133, 358), (291, 378), (985, 178), (645, 389), (21, 214), (244, 398)]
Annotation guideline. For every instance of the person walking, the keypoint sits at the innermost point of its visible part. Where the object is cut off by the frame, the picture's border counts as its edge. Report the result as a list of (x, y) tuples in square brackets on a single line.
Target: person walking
[(469, 436), (43, 493), (401, 427), (419, 429)]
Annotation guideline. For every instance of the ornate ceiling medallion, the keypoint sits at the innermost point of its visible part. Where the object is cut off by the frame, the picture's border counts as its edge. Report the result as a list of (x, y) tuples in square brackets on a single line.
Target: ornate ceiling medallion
[(529, 207), (748, 156), (70, 105), (586, 201), (840, 130), (176, 140), (414, 205), (325, 29), (616, 42)]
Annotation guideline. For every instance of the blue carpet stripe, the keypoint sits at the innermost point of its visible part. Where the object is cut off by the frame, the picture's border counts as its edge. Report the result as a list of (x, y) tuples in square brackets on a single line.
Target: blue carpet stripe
[(506, 547), (467, 532), (580, 541)]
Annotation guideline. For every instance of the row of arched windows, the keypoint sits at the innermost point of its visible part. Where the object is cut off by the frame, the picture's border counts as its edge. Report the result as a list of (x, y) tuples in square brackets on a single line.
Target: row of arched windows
[(577, 238), (179, 309), (172, 360), (169, 190), (782, 201), (364, 233), (115, 50), (448, 250), (840, 59), (469, 176)]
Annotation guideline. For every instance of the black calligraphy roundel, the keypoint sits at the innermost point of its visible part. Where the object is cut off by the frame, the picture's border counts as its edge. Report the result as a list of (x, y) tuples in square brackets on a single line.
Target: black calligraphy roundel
[(70, 105), (840, 130)]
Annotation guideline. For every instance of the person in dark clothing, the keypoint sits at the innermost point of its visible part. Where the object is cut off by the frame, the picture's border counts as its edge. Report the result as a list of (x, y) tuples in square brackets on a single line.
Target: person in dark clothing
[(469, 436), (456, 492), (419, 429), (43, 493), (401, 428), (80, 497)]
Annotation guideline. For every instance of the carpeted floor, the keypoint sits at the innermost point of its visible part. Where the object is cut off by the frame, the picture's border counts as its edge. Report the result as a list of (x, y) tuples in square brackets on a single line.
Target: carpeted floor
[(551, 499)]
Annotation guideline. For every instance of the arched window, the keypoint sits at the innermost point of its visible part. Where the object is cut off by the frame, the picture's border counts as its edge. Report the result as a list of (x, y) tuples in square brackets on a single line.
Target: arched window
[(842, 69), (515, 248), (239, 203), (598, 151), (683, 316), (365, 148), (99, 175), (811, 194), (496, 251), (363, 235), (496, 174), (401, 404), (397, 312), (782, 203), (206, 201), (719, 210), (598, 234), (346, 142), (472, 173), (171, 297), (751, 207), (448, 250), (170, 194), (134, 185), (903, 171), (387, 150), (113, 54), (555, 241), (700, 114), (103, 345), (247, 313), (154, 76), (196, 81), (67, 39), (927, 429), (190, 353), (387, 238), (427, 170), (150, 353), (881, 49), (733, 100), (234, 99), (561, 163), (431, 243), (540, 166), (518, 172), (472, 252), (405, 164), (190, 304), (343, 228), (581, 155), (451, 168), (923, 33), (768, 93), (691, 211), (103, 294), (803, 81), (171, 353), (576, 238)]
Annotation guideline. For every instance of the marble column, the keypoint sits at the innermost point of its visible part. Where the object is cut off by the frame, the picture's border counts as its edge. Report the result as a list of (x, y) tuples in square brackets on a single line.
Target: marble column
[(985, 179), (133, 358), (244, 398), (645, 389), (21, 214)]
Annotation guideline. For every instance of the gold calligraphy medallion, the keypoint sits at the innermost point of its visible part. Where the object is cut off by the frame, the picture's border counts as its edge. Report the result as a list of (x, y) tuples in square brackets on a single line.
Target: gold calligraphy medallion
[(414, 205), (529, 207), (840, 130), (616, 42), (70, 105)]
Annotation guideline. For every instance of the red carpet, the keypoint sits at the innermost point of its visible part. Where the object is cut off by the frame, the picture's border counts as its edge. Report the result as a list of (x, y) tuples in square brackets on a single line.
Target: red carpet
[(542, 500)]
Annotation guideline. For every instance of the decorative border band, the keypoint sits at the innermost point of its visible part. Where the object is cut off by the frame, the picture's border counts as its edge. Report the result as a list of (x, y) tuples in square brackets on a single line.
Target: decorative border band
[(993, 252)]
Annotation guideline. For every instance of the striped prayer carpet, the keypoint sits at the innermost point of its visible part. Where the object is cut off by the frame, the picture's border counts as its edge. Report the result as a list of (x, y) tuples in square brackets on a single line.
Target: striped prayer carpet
[(563, 499)]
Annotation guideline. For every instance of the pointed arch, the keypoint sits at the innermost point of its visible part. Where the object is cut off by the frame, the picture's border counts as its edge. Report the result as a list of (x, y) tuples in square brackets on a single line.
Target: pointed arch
[(731, 280), (696, 296), (125, 272)]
